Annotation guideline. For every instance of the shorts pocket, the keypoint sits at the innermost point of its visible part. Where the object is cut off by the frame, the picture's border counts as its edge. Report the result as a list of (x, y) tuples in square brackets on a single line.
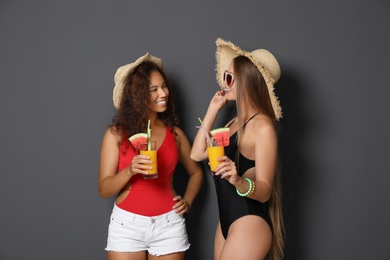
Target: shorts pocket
[(176, 225), (125, 229)]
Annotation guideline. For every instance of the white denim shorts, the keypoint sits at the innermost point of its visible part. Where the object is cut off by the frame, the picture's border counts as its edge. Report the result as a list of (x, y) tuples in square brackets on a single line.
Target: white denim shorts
[(159, 235)]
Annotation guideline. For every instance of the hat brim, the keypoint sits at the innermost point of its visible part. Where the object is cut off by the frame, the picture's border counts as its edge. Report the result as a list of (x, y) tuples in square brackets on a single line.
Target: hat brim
[(122, 73), (264, 61)]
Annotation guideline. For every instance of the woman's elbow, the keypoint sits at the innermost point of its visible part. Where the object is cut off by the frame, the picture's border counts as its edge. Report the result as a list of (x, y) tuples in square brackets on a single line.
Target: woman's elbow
[(195, 157), (103, 194), (265, 198)]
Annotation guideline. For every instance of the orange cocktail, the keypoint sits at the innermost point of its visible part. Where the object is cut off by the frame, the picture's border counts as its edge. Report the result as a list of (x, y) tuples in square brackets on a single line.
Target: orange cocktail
[(152, 153), (153, 157), (214, 153)]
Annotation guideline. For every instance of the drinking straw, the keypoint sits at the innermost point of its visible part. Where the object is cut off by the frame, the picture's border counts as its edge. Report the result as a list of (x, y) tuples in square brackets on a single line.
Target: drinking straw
[(206, 133), (148, 136)]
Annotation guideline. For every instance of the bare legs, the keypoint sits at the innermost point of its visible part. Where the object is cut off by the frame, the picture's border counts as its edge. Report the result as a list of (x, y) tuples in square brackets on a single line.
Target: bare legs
[(249, 238), (126, 256)]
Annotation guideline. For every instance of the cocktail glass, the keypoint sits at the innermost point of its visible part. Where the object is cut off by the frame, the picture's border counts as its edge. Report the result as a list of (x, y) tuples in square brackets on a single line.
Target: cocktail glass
[(152, 153)]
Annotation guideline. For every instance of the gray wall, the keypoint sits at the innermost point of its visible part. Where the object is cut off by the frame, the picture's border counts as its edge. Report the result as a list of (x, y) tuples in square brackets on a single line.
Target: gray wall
[(57, 61)]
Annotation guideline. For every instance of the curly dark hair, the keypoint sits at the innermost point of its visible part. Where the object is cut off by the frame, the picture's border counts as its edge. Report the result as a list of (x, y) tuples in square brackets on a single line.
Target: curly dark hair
[(132, 115)]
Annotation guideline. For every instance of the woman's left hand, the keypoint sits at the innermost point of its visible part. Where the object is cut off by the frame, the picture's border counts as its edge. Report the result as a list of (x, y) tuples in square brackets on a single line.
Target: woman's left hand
[(227, 170), (181, 206)]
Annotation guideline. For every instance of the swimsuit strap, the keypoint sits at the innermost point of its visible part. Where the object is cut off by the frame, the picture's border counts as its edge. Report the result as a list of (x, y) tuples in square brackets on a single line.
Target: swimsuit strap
[(237, 157), (247, 121)]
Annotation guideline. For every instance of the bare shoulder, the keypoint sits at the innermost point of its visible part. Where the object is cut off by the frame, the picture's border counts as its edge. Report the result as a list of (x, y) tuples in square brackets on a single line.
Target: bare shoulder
[(262, 126), (180, 137), (179, 134), (113, 134)]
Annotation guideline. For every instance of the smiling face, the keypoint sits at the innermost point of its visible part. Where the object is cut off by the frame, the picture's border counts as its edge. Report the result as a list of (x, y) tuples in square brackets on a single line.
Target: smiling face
[(159, 93)]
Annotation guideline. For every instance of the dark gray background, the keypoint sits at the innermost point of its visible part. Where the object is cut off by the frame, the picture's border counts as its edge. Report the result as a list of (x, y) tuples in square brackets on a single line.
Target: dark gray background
[(57, 62)]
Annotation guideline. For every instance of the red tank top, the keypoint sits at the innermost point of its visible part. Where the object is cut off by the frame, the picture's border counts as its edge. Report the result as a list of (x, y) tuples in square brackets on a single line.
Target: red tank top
[(154, 196)]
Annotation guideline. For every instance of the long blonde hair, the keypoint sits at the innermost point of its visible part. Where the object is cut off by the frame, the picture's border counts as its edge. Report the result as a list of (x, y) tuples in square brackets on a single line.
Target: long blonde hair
[(252, 88)]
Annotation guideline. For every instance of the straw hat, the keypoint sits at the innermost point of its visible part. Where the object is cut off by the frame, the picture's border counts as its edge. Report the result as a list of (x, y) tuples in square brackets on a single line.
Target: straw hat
[(122, 73), (261, 58)]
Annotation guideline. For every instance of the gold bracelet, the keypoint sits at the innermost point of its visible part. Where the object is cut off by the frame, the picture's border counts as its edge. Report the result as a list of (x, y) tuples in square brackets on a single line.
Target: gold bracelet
[(253, 187)]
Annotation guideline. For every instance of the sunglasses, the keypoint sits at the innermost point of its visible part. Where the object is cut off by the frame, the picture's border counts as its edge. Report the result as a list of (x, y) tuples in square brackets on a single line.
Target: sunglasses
[(228, 78)]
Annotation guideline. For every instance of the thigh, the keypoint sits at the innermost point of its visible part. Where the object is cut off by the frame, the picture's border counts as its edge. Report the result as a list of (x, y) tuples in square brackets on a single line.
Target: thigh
[(111, 255), (173, 256), (249, 237), (219, 241)]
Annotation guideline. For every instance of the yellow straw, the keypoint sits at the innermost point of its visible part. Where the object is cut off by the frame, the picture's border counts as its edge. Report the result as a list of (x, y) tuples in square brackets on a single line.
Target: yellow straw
[(149, 134)]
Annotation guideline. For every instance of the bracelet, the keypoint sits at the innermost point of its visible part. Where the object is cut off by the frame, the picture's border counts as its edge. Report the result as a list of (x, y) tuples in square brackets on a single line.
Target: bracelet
[(253, 187), (249, 191)]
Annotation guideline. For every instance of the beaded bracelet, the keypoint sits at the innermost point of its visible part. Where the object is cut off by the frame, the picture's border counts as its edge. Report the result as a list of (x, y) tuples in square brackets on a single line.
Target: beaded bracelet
[(248, 191), (253, 187)]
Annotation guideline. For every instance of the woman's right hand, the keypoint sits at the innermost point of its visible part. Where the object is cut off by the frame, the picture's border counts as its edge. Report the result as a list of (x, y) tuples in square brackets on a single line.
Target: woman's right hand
[(139, 164), (218, 101)]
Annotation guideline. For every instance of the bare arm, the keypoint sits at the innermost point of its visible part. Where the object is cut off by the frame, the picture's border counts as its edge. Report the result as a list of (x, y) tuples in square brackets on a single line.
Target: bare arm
[(199, 149), (110, 182), (194, 171)]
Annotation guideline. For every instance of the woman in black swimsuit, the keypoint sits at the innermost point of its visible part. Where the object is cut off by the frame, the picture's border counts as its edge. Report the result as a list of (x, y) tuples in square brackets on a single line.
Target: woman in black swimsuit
[(247, 181)]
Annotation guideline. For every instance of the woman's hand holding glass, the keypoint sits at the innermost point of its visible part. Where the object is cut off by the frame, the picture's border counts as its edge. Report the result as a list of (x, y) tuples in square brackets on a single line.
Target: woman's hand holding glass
[(227, 170), (140, 164)]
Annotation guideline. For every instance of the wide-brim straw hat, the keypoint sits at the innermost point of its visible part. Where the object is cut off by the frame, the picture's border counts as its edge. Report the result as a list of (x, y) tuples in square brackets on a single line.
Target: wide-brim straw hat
[(122, 73), (264, 61)]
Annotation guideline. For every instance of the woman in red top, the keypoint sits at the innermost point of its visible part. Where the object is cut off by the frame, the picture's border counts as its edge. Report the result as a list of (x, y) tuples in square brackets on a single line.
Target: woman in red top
[(147, 220)]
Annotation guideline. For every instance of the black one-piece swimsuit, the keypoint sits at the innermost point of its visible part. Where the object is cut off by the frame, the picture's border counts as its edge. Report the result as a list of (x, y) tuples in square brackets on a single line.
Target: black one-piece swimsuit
[(231, 205)]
